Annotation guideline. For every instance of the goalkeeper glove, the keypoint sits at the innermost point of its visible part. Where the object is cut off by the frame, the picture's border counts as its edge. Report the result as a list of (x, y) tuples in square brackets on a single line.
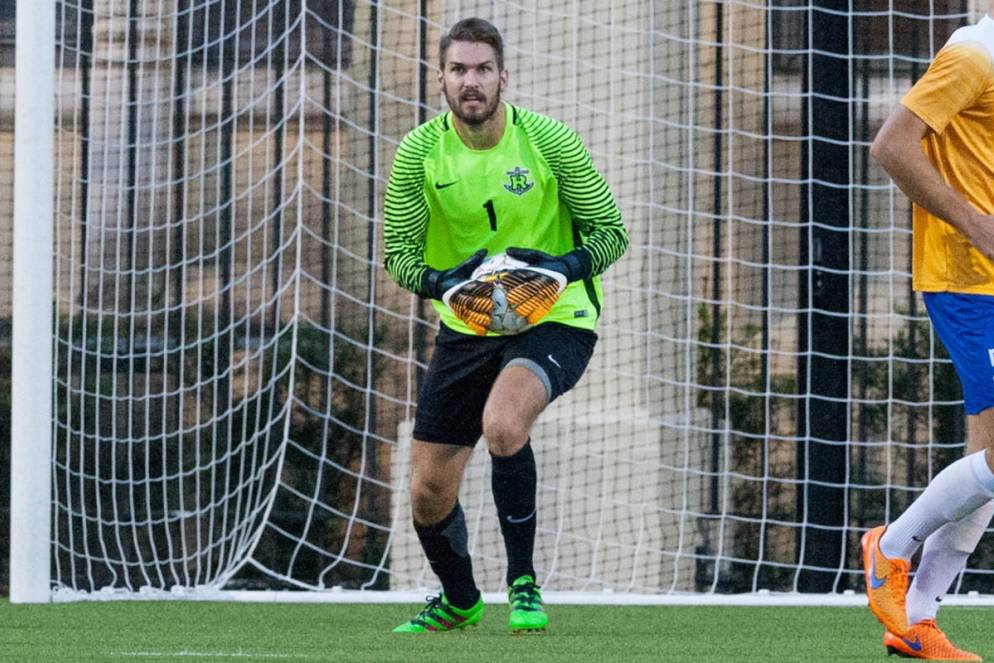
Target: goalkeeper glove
[(472, 302), (532, 293), (506, 301), (436, 282), (575, 265)]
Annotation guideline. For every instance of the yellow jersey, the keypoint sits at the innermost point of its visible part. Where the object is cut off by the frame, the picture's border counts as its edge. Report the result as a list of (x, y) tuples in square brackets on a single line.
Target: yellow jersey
[(955, 98)]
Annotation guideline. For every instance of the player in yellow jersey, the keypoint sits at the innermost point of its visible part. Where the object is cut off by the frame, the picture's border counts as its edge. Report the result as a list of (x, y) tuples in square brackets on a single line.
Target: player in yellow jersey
[(484, 178), (938, 146)]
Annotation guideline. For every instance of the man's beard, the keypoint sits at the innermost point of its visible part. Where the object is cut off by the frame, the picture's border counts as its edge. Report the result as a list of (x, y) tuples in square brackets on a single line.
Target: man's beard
[(476, 119)]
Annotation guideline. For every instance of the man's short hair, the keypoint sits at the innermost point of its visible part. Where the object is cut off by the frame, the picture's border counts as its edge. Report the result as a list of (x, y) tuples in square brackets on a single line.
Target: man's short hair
[(474, 30)]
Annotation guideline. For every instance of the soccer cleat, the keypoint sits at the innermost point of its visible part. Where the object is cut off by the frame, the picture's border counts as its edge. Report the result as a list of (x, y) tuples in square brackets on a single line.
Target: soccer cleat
[(926, 641), (886, 583), (439, 616), (527, 613)]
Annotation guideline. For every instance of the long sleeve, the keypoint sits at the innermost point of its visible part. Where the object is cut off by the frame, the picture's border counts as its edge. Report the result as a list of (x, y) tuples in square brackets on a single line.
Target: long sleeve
[(405, 210), (583, 189)]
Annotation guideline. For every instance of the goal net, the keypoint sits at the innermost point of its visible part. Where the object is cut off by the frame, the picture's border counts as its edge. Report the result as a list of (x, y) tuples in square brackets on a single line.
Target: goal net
[(235, 375)]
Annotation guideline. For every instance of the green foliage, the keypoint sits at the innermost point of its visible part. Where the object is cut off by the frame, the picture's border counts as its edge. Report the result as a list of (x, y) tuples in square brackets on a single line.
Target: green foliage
[(755, 412), (337, 440), (894, 390), (192, 418)]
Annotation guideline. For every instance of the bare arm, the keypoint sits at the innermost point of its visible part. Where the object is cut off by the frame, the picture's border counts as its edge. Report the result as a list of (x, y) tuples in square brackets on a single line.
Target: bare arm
[(897, 148)]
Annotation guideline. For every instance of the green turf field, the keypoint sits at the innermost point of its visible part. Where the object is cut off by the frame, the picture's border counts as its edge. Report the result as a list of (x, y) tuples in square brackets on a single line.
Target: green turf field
[(195, 631)]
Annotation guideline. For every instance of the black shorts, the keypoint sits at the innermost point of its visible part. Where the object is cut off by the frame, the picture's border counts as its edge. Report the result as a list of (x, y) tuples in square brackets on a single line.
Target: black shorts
[(463, 368)]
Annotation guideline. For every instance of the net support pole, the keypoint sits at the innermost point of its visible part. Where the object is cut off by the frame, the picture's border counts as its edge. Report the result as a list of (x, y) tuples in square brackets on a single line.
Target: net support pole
[(31, 408), (822, 466)]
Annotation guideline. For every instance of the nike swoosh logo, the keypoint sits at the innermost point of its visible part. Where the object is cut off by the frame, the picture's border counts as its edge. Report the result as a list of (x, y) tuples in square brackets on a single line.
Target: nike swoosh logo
[(439, 186), (915, 645), (516, 521), (553, 360), (875, 582)]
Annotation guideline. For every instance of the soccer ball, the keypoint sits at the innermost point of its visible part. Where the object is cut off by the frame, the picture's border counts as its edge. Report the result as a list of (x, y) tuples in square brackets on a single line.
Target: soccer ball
[(504, 296), (503, 318), (499, 262)]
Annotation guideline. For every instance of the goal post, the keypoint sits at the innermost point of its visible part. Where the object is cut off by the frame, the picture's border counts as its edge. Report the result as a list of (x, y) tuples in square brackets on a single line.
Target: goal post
[(232, 377), (31, 370)]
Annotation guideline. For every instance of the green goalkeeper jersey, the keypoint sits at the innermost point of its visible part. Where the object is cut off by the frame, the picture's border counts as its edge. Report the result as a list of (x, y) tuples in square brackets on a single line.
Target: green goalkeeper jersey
[(536, 189)]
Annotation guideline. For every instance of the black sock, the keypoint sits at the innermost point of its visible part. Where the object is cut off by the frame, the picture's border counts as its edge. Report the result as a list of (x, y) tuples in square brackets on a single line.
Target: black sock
[(514, 482), (445, 544)]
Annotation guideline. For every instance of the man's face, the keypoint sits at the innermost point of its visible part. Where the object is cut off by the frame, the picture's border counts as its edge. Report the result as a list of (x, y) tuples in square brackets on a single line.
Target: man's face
[(471, 82)]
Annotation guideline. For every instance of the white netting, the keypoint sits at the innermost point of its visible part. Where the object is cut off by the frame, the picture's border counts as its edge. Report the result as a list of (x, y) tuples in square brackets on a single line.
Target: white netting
[(236, 375)]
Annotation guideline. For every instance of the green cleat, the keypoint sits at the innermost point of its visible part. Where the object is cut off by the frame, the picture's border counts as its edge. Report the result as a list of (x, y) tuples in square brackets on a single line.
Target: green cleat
[(527, 613), (439, 615)]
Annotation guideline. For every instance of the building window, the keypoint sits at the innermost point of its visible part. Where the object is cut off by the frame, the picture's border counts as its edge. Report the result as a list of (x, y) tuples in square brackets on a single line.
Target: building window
[(7, 32), (252, 31), (248, 30), (886, 36)]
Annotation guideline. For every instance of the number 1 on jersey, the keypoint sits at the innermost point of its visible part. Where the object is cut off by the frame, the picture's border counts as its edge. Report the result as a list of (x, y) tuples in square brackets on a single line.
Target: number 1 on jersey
[(491, 214)]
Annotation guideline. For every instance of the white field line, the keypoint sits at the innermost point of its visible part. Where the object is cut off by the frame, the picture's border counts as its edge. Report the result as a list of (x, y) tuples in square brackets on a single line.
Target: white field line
[(201, 654), (760, 598)]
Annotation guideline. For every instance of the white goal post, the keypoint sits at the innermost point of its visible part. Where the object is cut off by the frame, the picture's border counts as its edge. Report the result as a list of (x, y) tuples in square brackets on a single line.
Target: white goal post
[(215, 379), (31, 400)]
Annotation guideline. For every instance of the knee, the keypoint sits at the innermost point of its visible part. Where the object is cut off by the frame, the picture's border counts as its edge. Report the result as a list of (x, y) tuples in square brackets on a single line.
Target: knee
[(505, 435), (431, 500)]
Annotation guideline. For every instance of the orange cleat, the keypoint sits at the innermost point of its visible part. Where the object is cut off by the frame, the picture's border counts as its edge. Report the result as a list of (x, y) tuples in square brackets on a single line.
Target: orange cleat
[(926, 641), (886, 583)]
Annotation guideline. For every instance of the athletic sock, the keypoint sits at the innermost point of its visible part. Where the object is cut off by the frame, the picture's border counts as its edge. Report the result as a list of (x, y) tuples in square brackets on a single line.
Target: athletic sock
[(943, 558), (446, 545), (953, 493), (514, 481)]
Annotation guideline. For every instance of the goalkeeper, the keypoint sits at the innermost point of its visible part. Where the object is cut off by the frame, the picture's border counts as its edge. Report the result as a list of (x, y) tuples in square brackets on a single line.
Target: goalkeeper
[(937, 146), (486, 178)]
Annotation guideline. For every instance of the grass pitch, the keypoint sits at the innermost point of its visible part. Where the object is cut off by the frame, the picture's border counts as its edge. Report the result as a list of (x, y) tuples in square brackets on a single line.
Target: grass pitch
[(244, 632)]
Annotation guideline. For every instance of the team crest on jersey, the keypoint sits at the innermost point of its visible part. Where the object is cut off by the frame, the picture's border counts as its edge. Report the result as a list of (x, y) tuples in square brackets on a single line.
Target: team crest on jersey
[(519, 184)]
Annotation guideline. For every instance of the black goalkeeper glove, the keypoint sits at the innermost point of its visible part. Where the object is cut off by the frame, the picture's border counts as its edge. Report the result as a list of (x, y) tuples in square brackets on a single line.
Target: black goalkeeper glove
[(575, 265), (436, 282)]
